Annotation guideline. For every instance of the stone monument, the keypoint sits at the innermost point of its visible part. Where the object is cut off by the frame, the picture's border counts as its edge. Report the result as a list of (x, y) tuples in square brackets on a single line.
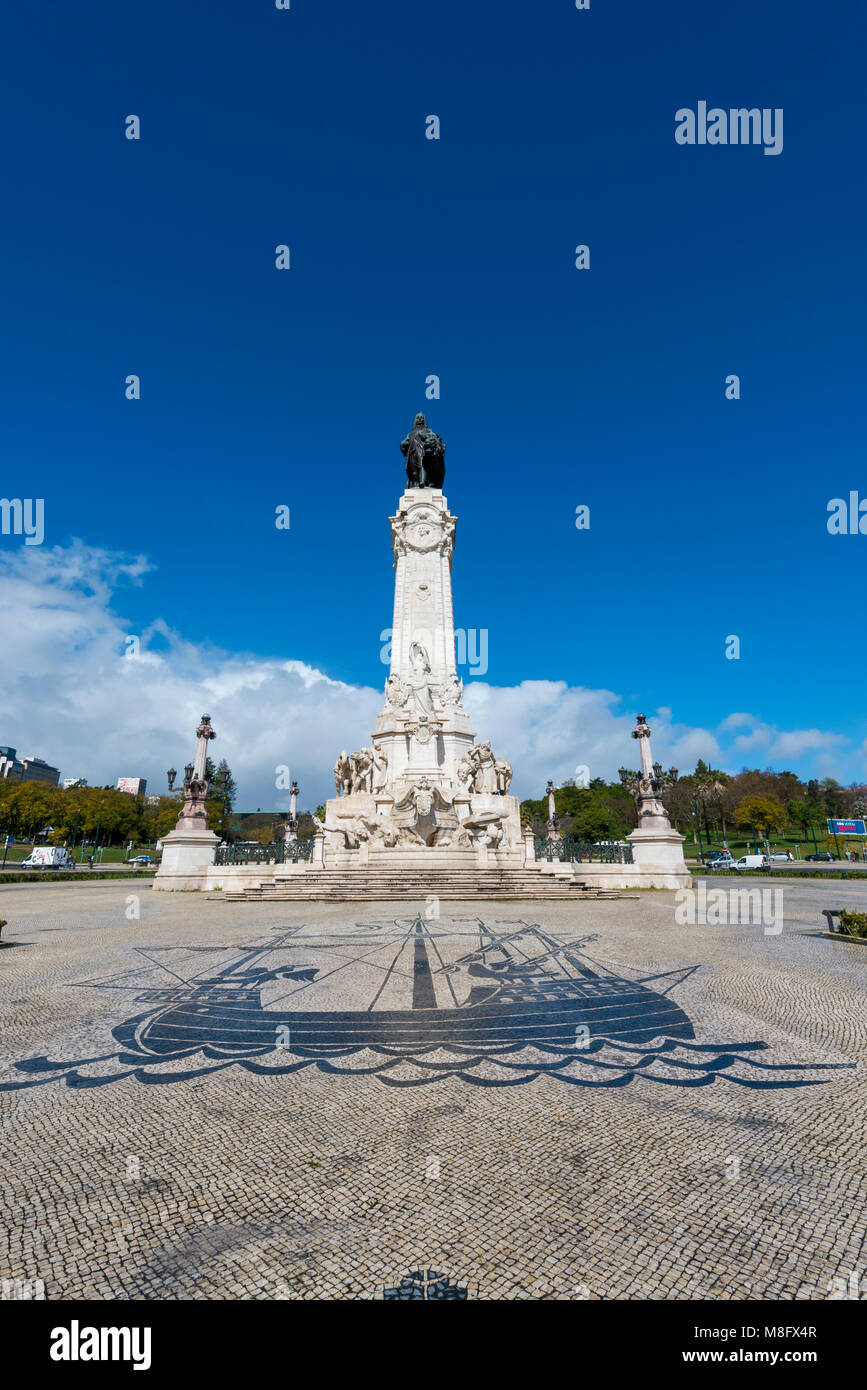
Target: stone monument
[(423, 783), (424, 807), (191, 844), (655, 842)]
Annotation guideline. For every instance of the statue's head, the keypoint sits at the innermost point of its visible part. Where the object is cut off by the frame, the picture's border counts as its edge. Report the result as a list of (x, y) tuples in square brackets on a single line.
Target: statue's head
[(419, 423)]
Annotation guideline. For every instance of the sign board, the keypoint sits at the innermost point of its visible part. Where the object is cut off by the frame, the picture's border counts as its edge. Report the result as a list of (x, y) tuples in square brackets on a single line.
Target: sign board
[(847, 827)]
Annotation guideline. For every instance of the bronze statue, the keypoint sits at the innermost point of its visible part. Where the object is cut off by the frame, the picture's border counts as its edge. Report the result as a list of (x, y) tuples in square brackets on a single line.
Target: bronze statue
[(425, 455)]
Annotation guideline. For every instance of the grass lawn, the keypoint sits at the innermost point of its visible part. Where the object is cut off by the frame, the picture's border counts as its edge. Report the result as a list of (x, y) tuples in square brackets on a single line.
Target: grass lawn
[(107, 854), (739, 844)]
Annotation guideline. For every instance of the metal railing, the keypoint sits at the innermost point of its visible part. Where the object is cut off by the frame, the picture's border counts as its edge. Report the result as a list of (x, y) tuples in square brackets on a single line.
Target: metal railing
[(572, 851), (276, 853)]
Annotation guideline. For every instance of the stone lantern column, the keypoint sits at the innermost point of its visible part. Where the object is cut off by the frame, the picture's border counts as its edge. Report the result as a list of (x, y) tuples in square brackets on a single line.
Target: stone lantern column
[(290, 829), (191, 847), (553, 819), (656, 847)]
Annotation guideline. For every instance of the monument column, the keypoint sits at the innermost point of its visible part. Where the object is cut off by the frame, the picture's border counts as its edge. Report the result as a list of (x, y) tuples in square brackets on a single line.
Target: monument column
[(423, 785), (655, 844), (553, 826), (191, 846), (423, 728)]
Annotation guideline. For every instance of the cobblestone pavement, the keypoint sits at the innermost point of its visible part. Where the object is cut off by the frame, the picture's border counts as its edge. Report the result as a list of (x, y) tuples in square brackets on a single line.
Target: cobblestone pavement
[(214, 1169)]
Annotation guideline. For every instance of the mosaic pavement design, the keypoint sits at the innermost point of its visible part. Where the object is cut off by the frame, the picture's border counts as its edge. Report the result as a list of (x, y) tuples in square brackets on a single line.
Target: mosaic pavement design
[(494, 1005), (497, 1163)]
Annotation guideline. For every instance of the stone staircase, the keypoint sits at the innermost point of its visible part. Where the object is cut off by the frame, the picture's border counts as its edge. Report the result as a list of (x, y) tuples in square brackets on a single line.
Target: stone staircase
[(449, 884)]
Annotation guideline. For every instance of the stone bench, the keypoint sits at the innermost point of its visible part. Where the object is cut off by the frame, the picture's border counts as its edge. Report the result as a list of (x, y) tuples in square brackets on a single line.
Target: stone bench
[(829, 914)]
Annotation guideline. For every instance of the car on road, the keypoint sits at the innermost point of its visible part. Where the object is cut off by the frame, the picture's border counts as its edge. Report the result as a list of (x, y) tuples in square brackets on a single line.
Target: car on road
[(822, 856), (752, 861), (141, 859), (48, 857), (721, 861), (782, 856)]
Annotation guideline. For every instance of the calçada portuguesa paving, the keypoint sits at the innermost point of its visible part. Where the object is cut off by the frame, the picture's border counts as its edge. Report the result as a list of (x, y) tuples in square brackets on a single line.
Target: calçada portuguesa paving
[(354, 1101)]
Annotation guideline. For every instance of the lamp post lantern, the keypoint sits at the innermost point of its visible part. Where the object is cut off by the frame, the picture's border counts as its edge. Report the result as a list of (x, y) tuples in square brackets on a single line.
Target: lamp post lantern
[(553, 826)]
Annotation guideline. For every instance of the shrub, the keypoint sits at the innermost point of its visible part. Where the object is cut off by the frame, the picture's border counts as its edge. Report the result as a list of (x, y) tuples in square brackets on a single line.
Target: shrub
[(854, 923)]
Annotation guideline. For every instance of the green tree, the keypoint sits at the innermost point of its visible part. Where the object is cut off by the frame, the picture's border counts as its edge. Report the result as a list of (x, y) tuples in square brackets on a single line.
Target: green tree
[(763, 813), (799, 815), (222, 792)]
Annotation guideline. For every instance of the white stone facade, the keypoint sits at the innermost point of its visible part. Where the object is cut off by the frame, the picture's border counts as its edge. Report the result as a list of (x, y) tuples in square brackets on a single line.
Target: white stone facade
[(423, 783)]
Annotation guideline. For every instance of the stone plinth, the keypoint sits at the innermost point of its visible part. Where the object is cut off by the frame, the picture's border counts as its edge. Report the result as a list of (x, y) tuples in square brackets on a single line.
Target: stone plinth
[(658, 851), (186, 855)]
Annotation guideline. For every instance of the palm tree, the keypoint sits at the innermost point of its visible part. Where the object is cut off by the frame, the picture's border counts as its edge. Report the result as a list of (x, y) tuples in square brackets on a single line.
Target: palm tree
[(711, 783)]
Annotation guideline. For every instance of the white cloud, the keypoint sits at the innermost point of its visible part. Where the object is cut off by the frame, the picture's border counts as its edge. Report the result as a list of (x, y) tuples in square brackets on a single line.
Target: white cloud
[(70, 695), (780, 747)]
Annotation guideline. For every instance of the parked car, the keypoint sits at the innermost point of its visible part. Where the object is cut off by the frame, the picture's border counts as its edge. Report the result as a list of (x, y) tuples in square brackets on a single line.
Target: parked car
[(48, 857), (822, 856), (782, 856), (752, 861), (141, 859), (721, 861)]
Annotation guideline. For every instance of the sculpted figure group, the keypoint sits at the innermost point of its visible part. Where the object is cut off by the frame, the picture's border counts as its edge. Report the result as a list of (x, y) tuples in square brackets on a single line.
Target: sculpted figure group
[(417, 693), (424, 815), (361, 771), (479, 771)]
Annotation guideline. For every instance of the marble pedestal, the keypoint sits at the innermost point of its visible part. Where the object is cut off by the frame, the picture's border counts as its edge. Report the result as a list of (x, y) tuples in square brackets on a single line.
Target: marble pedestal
[(186, 853), (659, 850)]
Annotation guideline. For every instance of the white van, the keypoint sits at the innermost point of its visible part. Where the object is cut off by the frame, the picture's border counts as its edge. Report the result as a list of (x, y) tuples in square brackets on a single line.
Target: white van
[(752, 861), (48, 857)]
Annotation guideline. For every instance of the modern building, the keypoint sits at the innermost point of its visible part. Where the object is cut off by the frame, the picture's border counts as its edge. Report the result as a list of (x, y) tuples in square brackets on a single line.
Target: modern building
[(136, 786), (38, 770), (15, 769), (10, 768)]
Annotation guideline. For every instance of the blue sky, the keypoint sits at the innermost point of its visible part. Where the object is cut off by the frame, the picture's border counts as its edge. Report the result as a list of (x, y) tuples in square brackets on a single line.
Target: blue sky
[(454, 257)]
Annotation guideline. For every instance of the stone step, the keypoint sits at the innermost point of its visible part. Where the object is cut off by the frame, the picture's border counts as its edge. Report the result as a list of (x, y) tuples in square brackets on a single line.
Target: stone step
[(455, 884)]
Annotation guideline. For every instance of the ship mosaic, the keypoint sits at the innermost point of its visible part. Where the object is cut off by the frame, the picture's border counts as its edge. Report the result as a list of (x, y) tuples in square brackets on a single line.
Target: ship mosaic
[(411, 1002)]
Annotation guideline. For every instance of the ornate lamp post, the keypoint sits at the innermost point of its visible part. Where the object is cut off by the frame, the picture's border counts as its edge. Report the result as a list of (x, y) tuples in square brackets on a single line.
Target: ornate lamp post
[(290, 827), (171, 774), (189, 849), (657, 849), (194, 815), (553, 826), (648, 785)]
